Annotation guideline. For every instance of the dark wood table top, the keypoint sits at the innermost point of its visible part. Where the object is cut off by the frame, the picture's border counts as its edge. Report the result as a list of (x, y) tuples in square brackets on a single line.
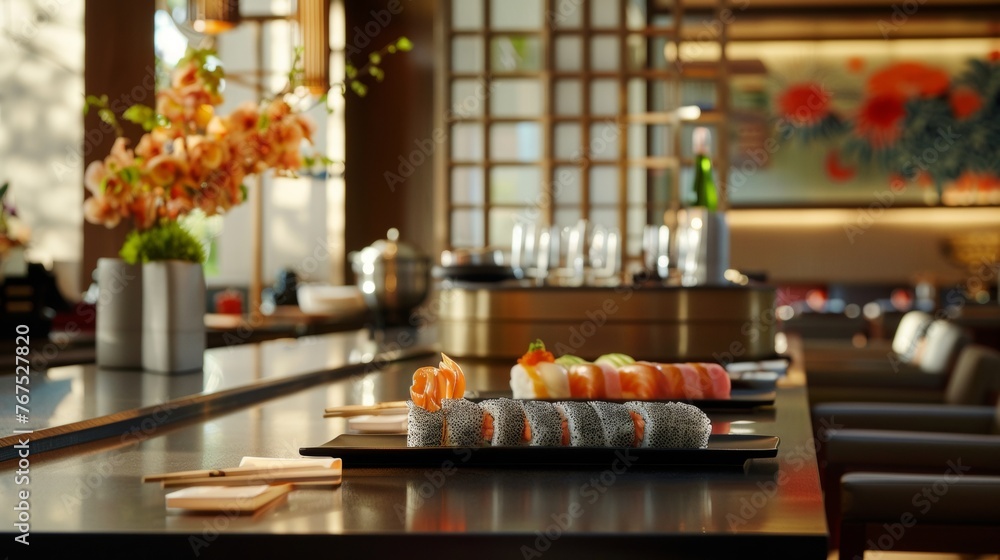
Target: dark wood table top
[(90, 494)]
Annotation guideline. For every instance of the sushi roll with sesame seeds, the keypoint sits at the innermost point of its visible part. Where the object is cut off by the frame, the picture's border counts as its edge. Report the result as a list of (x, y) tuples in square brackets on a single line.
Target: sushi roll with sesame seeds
[(695, 427), (582, 424), (463, 423), (423, 428), (669, 425), (544, 423), (616, 423), (504, 422)]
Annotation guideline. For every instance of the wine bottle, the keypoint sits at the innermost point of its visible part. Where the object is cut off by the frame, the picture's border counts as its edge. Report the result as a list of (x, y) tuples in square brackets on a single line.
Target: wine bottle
[(706, 195)]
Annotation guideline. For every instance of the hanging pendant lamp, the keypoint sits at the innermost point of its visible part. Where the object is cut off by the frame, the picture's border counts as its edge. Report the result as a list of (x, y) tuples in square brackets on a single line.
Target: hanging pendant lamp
[(314, 23), (213, 16)]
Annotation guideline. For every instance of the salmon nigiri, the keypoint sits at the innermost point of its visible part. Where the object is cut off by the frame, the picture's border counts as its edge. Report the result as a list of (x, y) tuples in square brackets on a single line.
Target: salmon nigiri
[(612, 379), (586, 381), (715, 382), (640, 381), (673, 381), (693, 388)]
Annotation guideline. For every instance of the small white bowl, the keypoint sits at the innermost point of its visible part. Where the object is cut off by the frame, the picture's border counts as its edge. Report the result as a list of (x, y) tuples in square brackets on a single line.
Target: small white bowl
[(323, 299)]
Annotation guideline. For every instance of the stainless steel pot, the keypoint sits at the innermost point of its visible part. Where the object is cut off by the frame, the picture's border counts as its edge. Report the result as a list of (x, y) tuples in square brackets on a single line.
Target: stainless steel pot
[(393, 277)]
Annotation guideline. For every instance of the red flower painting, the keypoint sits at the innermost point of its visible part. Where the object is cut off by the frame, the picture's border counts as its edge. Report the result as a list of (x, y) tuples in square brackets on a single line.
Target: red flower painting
[(917, 122)]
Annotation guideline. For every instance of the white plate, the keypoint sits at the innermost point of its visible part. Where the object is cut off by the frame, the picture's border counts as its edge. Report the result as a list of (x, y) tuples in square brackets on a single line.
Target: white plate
[(381, 424)]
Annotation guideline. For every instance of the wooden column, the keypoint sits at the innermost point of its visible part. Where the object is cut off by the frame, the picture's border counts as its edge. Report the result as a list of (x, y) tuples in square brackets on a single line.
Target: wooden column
[(118, 61), (393, 122)]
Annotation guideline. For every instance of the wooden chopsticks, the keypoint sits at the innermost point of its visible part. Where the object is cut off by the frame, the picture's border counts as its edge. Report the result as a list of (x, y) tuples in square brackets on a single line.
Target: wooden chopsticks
[(331, 476), (391, 407), (308, 472), (221, 473)]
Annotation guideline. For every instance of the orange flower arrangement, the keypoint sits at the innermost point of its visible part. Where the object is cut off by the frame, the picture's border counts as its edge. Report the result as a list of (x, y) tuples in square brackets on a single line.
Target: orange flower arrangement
[(12, 232), (190, 157)]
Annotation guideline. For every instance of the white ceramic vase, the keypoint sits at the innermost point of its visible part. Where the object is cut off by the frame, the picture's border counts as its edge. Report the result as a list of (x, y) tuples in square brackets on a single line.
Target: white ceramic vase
[(119, 314), (173, 316)]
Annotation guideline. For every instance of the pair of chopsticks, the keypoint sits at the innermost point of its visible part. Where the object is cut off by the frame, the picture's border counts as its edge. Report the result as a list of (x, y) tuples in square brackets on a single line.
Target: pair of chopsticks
[(310, 474), (391, 407)]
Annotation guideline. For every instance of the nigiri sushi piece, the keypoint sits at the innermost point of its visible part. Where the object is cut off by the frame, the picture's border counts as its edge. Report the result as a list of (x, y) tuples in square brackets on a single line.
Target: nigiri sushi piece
[(581, 425), (537, 376), (612, 381), (616, 423), (672, 381), (463, 423), (693, 387), (715, 381), (544, 423), (611, 363), (640, 381), (504, 423), (586, 381), (423, 428)]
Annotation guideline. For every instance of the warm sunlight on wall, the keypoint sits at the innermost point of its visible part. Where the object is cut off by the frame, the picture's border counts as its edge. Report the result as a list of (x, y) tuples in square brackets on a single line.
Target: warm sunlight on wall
[(41, 123)]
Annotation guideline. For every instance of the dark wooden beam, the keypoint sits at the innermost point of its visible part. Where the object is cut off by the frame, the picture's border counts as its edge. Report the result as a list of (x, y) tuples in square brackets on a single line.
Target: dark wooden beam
[(119, 61), (392, 124)]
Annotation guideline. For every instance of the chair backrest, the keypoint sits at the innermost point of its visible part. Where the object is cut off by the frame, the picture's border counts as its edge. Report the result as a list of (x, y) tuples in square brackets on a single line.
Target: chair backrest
[(976, 377), (911, 329), (939, 349)]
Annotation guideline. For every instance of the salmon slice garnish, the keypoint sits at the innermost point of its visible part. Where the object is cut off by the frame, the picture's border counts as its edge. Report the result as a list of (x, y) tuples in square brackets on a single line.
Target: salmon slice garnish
[(424, 390), (433, 384), (455, 373)]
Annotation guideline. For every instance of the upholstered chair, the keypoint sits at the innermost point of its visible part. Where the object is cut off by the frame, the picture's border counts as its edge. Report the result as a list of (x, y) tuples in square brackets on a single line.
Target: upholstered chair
[(963, 430), (918, 375), (826, 353), (942, 512)]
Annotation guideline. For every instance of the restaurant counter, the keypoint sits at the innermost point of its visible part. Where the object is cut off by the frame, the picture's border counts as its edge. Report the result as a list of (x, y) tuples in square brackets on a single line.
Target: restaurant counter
[(267, 400)]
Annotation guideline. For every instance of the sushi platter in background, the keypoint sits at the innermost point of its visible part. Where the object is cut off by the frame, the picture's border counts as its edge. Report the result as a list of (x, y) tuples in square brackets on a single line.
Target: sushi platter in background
[(763, 374), (776, 367), (538, 375), (744, 395)]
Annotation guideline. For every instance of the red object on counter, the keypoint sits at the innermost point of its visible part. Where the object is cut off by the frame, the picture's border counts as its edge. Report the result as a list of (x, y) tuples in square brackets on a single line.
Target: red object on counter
[(229, 302)]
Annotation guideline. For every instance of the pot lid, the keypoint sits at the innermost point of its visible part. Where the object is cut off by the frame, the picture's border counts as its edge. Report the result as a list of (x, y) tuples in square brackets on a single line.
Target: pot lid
[(389, 249)]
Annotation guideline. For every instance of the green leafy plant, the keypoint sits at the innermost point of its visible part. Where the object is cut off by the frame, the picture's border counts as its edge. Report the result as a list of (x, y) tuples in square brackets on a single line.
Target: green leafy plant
[(373, 67), (354, 75), (168, 240)]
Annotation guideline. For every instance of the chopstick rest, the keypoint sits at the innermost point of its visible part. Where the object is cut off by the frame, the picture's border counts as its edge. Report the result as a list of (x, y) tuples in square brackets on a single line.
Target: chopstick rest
[(238, 499)]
